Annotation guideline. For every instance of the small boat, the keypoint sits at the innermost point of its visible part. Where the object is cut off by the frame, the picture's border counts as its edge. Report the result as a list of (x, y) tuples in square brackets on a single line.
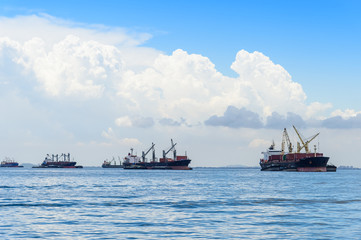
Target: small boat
[(112, 164), (58, 162), (331, 168), (7, 162)]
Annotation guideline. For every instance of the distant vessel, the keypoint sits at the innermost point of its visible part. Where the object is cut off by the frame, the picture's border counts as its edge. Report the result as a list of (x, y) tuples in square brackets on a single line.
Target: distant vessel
[(58, 162), (112, 164), (331, 168), (132, 161), (7, 162), (279, 160)]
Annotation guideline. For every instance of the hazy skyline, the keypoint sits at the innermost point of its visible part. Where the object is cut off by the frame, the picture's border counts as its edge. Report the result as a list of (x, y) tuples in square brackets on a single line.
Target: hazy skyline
[(221, 79)]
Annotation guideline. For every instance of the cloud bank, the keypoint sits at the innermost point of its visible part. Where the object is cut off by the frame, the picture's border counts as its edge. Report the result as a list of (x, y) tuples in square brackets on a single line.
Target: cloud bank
[(99, 86), (243, 118), (236, 118)]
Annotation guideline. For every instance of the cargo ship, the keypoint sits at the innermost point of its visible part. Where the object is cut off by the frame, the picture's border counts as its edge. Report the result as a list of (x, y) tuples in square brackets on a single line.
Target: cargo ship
[(56, 161), (7, 162), (280, 160), (112, 164), (132, 161)]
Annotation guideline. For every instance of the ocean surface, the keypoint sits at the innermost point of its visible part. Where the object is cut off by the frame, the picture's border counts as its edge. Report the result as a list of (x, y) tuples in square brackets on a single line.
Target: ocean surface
[(205, 203)]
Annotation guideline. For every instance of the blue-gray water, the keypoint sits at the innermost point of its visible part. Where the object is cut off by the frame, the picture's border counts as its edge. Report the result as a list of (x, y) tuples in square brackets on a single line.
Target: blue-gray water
[(96, 203)]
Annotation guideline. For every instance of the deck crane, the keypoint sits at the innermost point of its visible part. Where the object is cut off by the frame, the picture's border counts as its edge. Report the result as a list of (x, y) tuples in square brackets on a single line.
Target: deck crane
[(113, 160), (304, 143), (286, 140), (145, 154), (174, 151)]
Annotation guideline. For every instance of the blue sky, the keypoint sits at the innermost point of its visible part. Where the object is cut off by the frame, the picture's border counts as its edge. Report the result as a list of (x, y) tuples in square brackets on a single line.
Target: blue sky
[(194, 70)]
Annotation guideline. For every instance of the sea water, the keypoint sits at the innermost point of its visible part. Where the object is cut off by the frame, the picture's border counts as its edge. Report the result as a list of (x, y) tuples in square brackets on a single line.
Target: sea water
[(205, 203)]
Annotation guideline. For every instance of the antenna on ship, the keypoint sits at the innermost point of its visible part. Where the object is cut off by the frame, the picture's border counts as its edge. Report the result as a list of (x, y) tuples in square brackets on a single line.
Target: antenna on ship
[(318, 143), (315, 149), (153, 155)]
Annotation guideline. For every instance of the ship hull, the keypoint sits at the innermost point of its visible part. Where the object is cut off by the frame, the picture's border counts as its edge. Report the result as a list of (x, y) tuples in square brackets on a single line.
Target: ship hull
[(307, 164), (59, 164), (111, 166), (10, 165), (56, 166), (167, 165), (312, 164)]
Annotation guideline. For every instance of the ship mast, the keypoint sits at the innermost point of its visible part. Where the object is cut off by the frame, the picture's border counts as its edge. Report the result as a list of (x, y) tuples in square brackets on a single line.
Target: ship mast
[(304, 143)]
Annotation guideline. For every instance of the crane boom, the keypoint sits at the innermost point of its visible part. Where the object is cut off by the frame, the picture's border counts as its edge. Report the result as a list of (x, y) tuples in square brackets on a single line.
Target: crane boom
[(307, 142), (166, 152), (304, 143), (299, 136), (286, 140), (145, 154)]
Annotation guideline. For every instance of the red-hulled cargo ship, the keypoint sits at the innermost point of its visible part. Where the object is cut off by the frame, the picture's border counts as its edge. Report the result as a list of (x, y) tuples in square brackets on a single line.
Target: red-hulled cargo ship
[(58, 162), (132, 161), (279, 160), (9, 163)]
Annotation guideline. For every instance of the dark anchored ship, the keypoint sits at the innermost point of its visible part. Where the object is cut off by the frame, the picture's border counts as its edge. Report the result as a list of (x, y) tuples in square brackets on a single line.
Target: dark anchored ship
[(132, 161), (112, 164), (280, 160), (56, 161), (7, 162)]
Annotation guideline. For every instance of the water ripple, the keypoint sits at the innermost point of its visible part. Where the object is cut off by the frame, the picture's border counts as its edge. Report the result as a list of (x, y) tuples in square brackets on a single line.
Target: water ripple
[(199, 204)]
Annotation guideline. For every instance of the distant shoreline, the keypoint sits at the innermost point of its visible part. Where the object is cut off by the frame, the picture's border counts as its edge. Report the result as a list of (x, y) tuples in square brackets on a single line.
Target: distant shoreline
[(29, 165), (348, 168)]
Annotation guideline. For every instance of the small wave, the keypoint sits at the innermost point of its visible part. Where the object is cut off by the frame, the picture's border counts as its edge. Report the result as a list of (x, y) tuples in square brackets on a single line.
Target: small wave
[(36, 204), (301, 201)]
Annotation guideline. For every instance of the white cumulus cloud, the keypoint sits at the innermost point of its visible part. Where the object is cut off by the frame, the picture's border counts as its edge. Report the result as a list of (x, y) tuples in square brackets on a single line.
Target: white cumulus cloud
[(346, 114), (73, 67), (267, 85), (256, 143), (80, 62), (184, 85), (110, 135), (123, 121)]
